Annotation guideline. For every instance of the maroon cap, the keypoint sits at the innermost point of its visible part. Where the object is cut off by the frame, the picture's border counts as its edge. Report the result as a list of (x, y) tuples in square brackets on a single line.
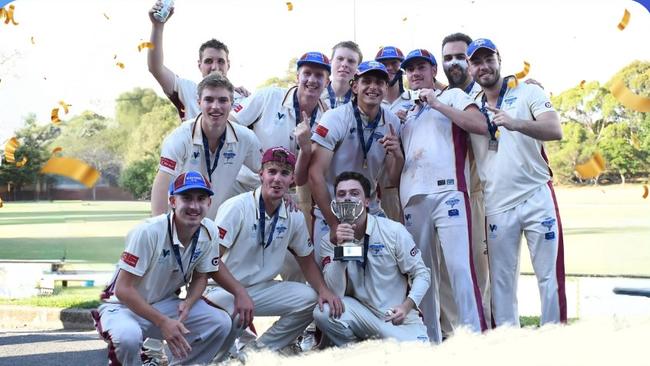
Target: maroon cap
[(279, 154)]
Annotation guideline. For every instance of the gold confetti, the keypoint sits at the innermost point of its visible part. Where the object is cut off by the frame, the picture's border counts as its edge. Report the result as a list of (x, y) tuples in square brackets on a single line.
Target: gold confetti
[(32, 39), (120, 65), (21, 163), (592, 167), (72, 168), (0, 202), (55, 116), (106, 16), (522, 74), (8, 14), (512, 83), (405, 19), (10, 149), (145, 45), (65, 106), (645, 191), (627, 98), (626, 19), (582, 84), (289, 6), (57, 150)]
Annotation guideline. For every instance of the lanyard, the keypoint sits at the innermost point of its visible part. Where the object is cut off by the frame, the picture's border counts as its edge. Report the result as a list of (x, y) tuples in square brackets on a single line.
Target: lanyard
[(206, 152), (492, 128), (398, 78), (262, 222), (332, 96), (365, 145), (296, 108), (469, 87), (177, 254)]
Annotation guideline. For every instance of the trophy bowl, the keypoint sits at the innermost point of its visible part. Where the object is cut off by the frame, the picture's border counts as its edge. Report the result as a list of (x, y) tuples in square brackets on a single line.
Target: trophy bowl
[(348, 212)]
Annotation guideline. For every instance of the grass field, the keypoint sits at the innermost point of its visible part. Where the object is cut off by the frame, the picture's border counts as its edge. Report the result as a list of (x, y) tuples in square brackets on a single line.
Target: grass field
[(606, 230)]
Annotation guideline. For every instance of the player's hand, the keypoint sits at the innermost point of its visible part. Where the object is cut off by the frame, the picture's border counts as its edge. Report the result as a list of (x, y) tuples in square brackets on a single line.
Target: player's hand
[(290, 203), (391, 143), (302, 133), (173, 332), (344, 233), (183, 311), (501, 118), (245, 308), (157, 6), (396, 315), (429, 96), (401, 114), (325, 295), (534, 82), (243, 91)]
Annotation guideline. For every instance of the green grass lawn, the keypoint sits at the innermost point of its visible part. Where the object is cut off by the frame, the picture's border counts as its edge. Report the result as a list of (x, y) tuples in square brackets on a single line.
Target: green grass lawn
[(606, 230), (69, 297)]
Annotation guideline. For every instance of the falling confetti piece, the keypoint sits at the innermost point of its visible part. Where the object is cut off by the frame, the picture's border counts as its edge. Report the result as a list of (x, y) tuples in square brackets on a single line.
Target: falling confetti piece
[(512, 83), (627, 98), (55, 116), (592, 167), (115, 57), (405, 19), (106, 16), (626, 19), (522, 74), (145, 45), (72, 168), (289, 6), (57, 150), (582, 84), (32, 39), (120, 65), (8, 14), (645, 191), (0, 202), (21, 163), (65, 106), (10, 149)]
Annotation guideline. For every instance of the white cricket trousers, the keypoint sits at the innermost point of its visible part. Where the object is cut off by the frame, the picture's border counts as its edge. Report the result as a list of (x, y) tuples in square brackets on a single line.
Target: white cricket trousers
[(125, 331), (445, 217), (479, 250), (539, 219), (293, 302), (358, 323)]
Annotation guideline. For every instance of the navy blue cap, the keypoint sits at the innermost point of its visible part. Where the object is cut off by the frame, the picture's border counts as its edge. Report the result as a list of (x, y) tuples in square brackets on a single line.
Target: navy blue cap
[(315, 58), (419, 53), (389, 53), (190, 180), (480, 43), (371, 66)]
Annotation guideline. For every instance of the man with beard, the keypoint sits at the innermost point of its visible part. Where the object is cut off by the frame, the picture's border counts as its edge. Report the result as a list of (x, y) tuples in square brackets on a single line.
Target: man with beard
[(346, 57), (344, 141), (213, 57), (433, 189), (256, 231), (455, 65), (209, 144), (519, 194)]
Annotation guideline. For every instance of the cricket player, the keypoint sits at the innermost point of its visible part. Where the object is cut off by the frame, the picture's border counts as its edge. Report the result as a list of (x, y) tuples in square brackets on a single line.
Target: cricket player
[(358, 136), (519, 196), (162, 255), (383, 291), (346, 57), (213, 57), (255, 232), (209, 143), (433, 189)]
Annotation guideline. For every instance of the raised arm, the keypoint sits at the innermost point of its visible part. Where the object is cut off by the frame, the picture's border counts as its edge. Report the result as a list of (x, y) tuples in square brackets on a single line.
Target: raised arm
[(155, 58)]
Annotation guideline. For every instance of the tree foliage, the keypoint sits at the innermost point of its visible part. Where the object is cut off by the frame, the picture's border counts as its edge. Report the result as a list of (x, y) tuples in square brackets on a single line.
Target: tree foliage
[(285, 81)]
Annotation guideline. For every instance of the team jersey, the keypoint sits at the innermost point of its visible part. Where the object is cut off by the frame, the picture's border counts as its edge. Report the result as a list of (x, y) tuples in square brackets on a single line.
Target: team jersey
[(393, 269), (328, 98), (519, 167), (337, 131), (404, 102), (149, 254), (183, 150), (271, 113), (435, 149), (186, 99), (475, 184), (250, 261)]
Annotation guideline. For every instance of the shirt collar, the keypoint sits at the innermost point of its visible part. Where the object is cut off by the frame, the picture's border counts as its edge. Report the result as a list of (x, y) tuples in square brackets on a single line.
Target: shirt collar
[(197, 137), (287, 102), (370, 223), (204, 234), (284, 213)]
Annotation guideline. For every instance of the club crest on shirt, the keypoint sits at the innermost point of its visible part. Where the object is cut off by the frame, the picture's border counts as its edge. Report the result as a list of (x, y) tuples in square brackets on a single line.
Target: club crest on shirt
[(376, 248), (163, 255), (508, 101), (195, 156), (195, 255), (280, 229), (377, 135), (280, 115), (352, 134), (407, 220), (493, 231), (452, 202), (548, 223), (229, 155)]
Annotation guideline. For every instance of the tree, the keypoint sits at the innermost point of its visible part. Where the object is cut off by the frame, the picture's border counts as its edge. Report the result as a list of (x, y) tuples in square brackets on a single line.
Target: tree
[(132, 105), (153, 127), (622, 157), (288, 80), (577, 145), (138, 177)]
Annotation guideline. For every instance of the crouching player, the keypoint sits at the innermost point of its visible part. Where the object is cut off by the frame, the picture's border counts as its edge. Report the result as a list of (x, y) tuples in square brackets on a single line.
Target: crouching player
[(378, 302), (163, 254)]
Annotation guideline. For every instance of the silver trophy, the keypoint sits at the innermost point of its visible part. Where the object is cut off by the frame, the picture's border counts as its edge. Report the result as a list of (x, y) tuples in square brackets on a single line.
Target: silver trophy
[(348, 212), (154, 353)]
